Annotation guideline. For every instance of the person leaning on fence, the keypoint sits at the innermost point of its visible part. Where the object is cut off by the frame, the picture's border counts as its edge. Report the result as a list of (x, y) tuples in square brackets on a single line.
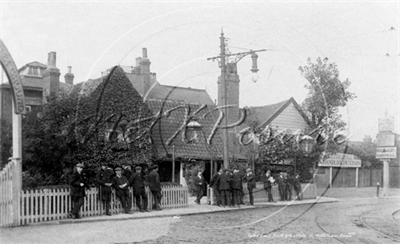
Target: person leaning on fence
[(214, 184), (251, 184), (78, 185), (268, 181), (137, 183), (289, 186), (155, 187), (200, 183), (104, 180), (121, 186), (225, 187), (282, 186), (297, 187)]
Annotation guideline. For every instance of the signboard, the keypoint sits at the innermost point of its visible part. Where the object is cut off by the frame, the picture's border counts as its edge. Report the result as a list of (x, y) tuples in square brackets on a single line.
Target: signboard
[(386, 152), (341, 160), (386, 124), (385, 140)]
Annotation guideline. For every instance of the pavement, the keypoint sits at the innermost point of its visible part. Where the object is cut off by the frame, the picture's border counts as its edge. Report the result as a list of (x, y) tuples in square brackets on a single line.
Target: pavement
[(192, 209)]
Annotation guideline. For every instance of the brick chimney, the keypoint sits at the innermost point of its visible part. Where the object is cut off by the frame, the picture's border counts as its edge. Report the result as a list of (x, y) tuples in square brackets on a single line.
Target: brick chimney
[(69, 77), (145, 70), (51, 75)]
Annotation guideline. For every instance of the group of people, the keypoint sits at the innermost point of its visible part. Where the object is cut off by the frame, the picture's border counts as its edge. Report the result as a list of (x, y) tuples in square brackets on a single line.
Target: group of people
[(121, 179), (286, 182), (228, 186)]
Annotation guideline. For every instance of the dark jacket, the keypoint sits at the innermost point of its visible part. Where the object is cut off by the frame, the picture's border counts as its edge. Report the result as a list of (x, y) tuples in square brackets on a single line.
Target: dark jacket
[(154, 181), (224, 182), (104, 176), (137, 182), (237, 181), (296, 183), (251, 181), (76, 189), (199, 182), (117, 182), (127, 173), (215, 180), (281, 182), (266, 181)]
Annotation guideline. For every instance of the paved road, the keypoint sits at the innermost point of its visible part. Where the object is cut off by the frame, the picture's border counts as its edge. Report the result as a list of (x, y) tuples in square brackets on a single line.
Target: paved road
[(322, 223), (357, 217)]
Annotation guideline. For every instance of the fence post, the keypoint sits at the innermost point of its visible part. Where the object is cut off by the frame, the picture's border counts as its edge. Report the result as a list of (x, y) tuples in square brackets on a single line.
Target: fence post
[(377, 189), (16, 189)]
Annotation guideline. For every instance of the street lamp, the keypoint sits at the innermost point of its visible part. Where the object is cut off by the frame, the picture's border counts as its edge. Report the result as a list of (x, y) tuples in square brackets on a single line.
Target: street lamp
[(223, 59)]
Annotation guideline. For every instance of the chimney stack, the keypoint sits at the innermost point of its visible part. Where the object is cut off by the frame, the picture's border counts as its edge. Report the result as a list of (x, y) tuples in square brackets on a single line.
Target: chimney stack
[(69, 77), (145, 71), (51, 75)]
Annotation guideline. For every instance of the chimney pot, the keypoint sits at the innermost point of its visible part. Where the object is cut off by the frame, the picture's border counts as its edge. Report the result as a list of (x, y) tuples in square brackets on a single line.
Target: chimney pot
[(69, 69), (144, 51), (51, 61)]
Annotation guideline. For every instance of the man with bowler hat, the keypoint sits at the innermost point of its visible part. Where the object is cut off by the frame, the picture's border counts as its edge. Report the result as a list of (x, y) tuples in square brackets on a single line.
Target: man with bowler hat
[(155, 187), (121, 185), (78, 184), (236, 187), (103, 179), (137, 183)]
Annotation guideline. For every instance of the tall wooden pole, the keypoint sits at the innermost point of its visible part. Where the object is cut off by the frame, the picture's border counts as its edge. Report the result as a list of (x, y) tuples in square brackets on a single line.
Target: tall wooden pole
[(225, 140)]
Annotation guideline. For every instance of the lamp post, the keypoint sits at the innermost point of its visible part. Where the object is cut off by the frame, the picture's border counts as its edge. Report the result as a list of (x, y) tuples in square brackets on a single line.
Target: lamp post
[(306, 144), (224, 59)]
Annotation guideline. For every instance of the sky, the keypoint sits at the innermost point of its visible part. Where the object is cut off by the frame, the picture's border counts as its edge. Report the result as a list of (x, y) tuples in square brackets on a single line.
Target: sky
[(361, 37)]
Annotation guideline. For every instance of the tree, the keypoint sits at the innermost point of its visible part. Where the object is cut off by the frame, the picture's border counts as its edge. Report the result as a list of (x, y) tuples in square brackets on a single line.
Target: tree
[(326, 93), (366, 151)]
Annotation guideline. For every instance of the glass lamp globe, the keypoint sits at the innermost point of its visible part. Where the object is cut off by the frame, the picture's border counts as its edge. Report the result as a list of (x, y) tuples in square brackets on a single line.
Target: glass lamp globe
[(254, 77)]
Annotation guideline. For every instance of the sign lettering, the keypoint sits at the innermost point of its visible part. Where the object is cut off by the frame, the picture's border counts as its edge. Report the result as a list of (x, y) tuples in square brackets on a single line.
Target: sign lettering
[(13, 77)]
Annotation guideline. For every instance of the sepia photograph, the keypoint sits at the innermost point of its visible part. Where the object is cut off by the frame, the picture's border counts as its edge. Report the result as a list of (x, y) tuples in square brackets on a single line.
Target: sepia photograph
[(133, 121)]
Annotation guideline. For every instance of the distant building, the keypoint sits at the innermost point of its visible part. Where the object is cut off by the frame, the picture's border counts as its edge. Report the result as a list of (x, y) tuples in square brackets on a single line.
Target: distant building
[(38, 80)]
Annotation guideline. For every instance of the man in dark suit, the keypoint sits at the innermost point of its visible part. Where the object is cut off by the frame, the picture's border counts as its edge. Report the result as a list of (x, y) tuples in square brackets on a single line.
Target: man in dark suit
[(251, 184), (137, 183), (268, 182), (282, 186), (121, 186), (236, 187), (103, 179), (289, 186), (214, 184), (127, 172), (224, 187), (78, 184), (200, 184), (155, 187), (297, 187)]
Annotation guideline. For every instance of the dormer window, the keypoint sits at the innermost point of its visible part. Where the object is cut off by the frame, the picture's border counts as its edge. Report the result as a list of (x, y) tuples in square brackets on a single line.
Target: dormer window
[(193, 132)]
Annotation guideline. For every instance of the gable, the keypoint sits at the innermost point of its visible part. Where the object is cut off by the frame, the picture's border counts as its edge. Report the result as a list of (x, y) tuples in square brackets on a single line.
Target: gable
[(290, 118)]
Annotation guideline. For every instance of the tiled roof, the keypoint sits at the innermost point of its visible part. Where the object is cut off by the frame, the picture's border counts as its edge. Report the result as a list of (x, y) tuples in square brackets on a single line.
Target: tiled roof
[(168, 126), (188, 95)]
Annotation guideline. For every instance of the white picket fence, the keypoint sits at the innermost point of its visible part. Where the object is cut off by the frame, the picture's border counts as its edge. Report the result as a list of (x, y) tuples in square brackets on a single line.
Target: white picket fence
[(54, 204), (41, 205), (8, 196)]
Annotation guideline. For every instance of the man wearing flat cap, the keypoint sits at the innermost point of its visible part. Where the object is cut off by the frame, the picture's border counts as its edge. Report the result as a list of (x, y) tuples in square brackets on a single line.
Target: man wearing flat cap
[(121, 186), (103, 179), (251, 184), (155, 187), (78, 185), (137, 183)]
